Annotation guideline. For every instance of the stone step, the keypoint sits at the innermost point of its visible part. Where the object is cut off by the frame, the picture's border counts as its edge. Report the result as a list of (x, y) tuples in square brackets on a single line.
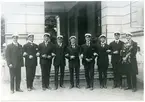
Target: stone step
[(82, 74)]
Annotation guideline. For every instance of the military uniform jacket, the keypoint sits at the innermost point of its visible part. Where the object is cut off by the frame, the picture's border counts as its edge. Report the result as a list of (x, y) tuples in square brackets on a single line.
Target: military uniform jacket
[(43, 49), (102, 59), (60, 52), (115, 58), (73, 52), (88, 52), (30, 49), (14, 55)]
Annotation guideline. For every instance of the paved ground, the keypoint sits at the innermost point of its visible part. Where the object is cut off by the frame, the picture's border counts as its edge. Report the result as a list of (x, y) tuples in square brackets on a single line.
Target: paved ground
[(71, 94)]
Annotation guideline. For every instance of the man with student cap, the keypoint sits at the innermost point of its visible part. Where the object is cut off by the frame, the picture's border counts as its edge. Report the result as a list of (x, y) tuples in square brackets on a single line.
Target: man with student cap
[(14, 58), (30, 54), (47, 34), (45, 49), (59, 63), (88, 35), (88, 56), (72, 37), (102, 60), (129, 62), (72, 54), (115, 48)]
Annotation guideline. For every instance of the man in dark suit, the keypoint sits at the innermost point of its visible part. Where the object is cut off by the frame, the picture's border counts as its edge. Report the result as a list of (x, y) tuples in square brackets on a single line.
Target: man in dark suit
[(14, 58), (73, 51), (102, 60), (88, 55), (130, 62), (30, 53), (45, 50), (115, 48), (59, 60)]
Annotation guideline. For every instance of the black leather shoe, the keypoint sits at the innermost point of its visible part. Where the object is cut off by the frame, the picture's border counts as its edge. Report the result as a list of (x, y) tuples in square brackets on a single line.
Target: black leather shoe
[(49, 88), (105, 86), (127, 88), (114, 86), (71, 86), (91, 88), (134, 90), (120, 87), (19, 90), (55, 88), (78, 86), (32, 88), (62, 86), (44, 89), (29, 89), (87, 86), (12, 92)]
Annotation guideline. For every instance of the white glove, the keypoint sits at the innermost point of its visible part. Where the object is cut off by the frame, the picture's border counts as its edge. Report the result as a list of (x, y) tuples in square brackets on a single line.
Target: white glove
[(44, 56), (88, 60), (48, 56), (37, 54), (72, 57), (30, 56), (53, 54), (95, 54), (67, 55), (81, 55), (10, 65), (108, 51), (24, 54), (115, 52)]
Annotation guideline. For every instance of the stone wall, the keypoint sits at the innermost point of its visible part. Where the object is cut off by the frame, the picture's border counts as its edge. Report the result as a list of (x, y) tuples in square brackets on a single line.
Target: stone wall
[(125, 16), (23, 18)]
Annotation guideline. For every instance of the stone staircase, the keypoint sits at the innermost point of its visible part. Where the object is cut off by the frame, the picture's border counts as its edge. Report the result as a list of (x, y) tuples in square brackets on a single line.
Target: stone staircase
[(82, 74)]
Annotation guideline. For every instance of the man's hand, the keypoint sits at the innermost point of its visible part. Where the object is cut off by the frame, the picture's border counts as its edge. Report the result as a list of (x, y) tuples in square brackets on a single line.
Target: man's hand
[(24, 54), (10, 65), (30, 56), (67, 55), (37, 54), (108, 51), (48, 56), (81, 55), (115, 52), (44, 56), (72, 57), (88, 60), (95, 54), (53, 54)]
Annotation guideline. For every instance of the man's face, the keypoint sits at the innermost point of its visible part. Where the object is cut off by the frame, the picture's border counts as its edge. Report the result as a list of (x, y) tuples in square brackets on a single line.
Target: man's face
[(15, 39), (88, 38), (128, 37), (73, 40), (116, 37), (31, 38), (102, 39), (59, 40), (46, 38)]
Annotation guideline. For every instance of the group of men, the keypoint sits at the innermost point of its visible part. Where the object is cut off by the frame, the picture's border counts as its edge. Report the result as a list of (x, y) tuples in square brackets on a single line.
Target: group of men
[(57, 53)]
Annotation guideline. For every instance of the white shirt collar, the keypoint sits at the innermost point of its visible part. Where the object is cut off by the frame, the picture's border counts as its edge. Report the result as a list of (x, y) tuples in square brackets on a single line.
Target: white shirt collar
[(117, 40), (60, 44), (30, 41), (15, 43)]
